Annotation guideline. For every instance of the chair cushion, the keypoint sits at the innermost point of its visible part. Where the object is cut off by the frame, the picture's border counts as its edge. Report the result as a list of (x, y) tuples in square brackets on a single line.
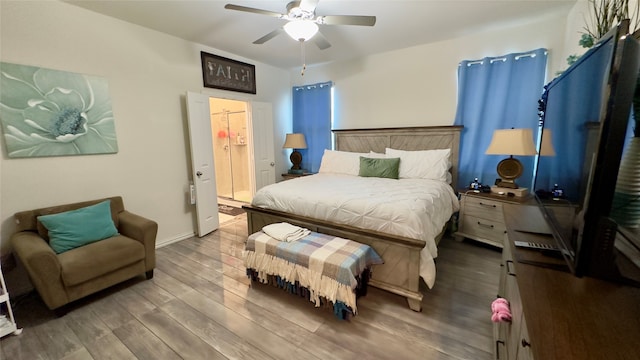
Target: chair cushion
[(71, 229), (101, 257)]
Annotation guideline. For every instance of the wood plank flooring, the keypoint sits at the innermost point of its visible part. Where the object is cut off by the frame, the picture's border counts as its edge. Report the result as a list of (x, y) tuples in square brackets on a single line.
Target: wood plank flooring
[(200, 305)]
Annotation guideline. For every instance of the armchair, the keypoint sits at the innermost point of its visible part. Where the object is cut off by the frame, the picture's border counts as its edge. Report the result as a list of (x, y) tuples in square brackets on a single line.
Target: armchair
[(70, 275)]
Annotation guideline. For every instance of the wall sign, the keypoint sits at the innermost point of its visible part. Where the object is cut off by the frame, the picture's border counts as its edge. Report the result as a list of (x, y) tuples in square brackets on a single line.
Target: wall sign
[(221, 73)]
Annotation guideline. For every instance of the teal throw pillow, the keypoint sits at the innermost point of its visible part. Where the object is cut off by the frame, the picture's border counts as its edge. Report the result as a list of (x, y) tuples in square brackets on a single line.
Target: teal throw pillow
[(379, 167), (71, 229)]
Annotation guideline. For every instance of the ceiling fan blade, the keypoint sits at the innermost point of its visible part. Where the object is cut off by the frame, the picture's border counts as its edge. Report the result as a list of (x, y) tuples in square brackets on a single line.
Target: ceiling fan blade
[(308, 5), (321, 41), (269, 36), (253, 10), (346, 20)]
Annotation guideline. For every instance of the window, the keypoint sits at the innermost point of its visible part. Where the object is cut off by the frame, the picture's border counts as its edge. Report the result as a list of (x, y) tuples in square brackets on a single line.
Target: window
[(312, 116), (497, 93)]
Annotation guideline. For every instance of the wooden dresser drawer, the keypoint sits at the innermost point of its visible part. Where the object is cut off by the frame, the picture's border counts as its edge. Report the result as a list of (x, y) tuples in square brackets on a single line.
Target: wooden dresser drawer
[(481, 216), (483, 228), (483, 208)]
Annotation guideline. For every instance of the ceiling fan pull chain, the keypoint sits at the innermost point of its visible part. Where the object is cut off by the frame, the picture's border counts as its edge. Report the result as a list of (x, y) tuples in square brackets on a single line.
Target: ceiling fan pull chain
[(304, 65)]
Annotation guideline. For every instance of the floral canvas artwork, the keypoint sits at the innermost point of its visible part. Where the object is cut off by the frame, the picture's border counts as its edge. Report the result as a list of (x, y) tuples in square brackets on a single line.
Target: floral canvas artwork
[(48, 112)]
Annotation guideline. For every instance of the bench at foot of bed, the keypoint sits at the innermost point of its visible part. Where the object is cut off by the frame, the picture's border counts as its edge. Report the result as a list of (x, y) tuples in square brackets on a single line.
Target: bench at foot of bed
[(321, 267), (340, 309)]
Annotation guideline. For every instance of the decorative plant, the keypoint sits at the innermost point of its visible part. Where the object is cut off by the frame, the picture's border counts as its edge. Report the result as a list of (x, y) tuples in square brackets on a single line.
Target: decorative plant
[(607, 13), (604, 15)]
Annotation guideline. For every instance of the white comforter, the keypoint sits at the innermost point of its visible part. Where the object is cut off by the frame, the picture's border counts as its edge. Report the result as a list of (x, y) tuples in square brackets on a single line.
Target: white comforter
[(414, 208)]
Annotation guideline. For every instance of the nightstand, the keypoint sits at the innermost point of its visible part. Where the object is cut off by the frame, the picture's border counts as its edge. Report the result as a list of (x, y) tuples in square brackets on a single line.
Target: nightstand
[(481, 217), (287, 176)]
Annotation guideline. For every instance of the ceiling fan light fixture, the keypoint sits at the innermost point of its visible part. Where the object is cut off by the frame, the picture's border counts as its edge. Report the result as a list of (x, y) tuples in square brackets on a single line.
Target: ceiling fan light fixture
[(301, 29)]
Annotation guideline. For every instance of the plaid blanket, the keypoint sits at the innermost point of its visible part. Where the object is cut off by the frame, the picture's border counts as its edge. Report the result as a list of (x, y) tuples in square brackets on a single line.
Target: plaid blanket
[(328, 266)]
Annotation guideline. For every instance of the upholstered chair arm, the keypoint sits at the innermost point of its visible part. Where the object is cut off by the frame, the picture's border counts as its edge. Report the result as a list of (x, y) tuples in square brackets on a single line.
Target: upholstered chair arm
[(143, 230), (42, 265)]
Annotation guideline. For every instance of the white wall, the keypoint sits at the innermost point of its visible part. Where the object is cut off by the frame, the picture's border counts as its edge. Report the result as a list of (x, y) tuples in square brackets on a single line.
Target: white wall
[(575, 28), (148, 73), (417, 86)]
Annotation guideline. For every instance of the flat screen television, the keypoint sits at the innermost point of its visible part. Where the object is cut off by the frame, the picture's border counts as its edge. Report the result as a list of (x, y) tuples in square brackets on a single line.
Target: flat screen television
[(586, 112)]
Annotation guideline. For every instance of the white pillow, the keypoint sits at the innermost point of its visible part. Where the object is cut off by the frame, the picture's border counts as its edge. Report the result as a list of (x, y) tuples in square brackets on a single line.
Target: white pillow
[(423, 164), (375, 155), (341, 162)]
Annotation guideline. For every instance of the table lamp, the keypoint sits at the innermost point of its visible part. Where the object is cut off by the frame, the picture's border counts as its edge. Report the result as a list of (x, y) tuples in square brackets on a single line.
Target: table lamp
[(295, 141), (511, 142)]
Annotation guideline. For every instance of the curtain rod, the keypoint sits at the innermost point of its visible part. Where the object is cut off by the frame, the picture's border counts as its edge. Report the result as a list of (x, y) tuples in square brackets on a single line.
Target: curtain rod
[(501, 58), (313, 86)]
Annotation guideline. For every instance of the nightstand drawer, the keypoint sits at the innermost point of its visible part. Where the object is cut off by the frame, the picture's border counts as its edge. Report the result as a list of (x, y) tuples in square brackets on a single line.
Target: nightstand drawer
[(481, 216), (483, 228), (483, 208)]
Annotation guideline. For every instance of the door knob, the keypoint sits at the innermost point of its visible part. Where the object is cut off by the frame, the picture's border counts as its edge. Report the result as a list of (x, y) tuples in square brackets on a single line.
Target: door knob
[(198, 174), (272, 164)]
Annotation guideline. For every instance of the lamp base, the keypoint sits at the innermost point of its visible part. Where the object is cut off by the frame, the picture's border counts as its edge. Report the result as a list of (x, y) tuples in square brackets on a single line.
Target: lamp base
[(296, 159), (509, 170), (519, 192), (507, 184), (296, 171)]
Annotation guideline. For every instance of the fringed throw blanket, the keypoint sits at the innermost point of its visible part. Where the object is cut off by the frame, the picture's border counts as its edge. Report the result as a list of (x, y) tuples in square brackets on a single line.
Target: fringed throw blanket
[(326, 266)]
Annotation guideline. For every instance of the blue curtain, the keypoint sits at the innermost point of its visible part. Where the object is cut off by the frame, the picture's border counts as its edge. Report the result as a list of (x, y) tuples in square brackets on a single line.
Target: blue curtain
[(497, 93), (312, 117)]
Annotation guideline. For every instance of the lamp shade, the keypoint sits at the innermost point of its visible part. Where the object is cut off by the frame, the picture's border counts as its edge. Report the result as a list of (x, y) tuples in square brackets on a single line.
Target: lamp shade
[(546, 145), (301, 29), (295, 141), (512, 142)]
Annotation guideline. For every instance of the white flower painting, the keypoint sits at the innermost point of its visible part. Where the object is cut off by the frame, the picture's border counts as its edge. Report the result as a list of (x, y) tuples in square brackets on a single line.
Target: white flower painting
[(54, 113)]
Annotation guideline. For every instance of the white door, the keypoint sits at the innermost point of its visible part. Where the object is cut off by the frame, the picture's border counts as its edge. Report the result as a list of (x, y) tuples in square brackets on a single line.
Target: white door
[(204, 176), (263, 148)]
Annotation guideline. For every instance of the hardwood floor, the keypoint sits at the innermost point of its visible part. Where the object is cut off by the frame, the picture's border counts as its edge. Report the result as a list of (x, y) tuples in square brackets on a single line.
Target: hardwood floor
[(200, 305)]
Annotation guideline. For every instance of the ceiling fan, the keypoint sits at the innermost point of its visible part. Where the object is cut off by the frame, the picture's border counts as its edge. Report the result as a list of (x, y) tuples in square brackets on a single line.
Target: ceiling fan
[(303, 22)]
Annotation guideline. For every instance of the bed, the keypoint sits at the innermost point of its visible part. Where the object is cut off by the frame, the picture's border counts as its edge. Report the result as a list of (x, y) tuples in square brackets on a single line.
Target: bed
[(406, 253)]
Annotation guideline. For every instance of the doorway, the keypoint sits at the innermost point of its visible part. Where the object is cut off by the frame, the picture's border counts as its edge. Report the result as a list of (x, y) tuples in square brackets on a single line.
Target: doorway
[(231, 152)]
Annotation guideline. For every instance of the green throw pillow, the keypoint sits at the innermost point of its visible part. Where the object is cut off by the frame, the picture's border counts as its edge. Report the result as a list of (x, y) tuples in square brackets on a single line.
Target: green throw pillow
[(379, 167), (71, 229)]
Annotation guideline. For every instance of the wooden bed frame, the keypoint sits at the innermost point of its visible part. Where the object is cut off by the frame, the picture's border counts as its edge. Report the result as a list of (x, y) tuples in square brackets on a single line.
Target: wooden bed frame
[(400, 272)]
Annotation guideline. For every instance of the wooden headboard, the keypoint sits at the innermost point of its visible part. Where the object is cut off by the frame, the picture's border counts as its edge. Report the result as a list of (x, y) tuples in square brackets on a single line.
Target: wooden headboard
[(408, 138)]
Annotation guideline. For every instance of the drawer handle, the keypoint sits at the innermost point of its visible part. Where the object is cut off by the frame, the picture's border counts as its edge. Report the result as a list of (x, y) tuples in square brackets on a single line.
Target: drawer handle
[(509, 272), (485, 225), (487, 205), (498, 343), (525, 343)]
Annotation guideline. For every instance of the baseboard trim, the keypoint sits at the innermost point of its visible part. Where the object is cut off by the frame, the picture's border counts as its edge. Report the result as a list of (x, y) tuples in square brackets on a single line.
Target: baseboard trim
[(166, 242)]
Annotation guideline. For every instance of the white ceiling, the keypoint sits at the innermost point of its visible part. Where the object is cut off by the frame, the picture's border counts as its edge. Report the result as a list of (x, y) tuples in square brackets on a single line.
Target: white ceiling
[(400, 24)]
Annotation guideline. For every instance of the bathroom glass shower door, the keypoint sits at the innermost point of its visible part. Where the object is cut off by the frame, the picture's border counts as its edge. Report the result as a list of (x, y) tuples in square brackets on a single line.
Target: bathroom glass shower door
[(231, 154)]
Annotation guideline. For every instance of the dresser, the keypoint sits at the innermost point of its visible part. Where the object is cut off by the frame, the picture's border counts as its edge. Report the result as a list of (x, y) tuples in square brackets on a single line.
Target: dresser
[(556, 315), (481, 215)]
